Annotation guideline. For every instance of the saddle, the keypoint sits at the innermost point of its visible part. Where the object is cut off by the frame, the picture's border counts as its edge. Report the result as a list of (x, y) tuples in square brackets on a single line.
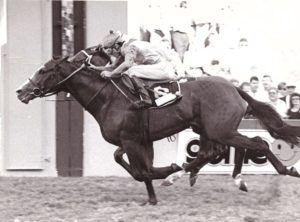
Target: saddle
[(162, 93)]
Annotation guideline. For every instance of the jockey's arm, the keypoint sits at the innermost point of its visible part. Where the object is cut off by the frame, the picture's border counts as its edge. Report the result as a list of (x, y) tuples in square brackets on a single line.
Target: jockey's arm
[(126, 64), (108, 67)]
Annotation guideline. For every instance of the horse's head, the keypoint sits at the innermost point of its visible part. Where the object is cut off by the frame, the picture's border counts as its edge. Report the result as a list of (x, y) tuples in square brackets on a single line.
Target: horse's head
[(43, 82), (50, 78)]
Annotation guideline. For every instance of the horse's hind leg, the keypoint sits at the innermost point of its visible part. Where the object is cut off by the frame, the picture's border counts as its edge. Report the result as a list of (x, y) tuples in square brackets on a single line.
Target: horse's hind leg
[(209, 150), (236, 174), (240, 141)]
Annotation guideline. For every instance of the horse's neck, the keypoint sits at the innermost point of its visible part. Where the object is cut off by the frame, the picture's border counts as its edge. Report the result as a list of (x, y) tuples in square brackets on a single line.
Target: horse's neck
[(84, 87)]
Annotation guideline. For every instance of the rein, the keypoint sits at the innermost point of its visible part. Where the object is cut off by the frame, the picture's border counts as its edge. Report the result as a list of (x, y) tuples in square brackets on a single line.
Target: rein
[(37, 91), (94, 96), (120, 90), (69, 76)]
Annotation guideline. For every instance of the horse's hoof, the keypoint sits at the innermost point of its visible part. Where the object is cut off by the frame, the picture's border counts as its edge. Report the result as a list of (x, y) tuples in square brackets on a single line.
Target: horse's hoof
[(240, 183), (193, 180), (294, 172), (193, 177), (243, 186), (149, 202), (172, 178), (152, 202)]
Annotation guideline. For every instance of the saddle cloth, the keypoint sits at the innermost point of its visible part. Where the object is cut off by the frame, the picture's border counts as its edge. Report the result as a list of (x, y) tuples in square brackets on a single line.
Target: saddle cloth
[(162, 93)]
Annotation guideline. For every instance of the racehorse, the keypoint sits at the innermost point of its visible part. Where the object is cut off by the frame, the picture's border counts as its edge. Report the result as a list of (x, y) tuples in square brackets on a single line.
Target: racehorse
[(211, 106)]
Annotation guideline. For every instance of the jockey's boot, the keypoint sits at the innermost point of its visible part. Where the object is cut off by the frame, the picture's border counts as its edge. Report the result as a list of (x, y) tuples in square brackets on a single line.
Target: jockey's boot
[(145, 101)]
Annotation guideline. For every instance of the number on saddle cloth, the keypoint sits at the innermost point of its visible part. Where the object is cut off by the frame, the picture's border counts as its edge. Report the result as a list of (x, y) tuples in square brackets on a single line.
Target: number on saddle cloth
[(166, 92), (161, 92)]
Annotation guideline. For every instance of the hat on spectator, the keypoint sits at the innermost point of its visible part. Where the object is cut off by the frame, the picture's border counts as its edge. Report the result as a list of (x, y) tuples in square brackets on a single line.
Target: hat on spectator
[(281, 85), (290, 85)]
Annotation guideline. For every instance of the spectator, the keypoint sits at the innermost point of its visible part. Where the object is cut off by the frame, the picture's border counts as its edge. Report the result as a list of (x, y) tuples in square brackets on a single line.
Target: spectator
[(214, 69), (242, 60), (243, 42), (254, 87), (277, 103), (245, 86), (294, 110), (174, 57), (290, 88), (281, 89), (182, 29), (235, 82), (266, 83)]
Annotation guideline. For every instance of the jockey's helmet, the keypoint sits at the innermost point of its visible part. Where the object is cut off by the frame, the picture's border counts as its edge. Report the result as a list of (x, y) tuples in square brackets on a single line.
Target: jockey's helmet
[(113, 38)]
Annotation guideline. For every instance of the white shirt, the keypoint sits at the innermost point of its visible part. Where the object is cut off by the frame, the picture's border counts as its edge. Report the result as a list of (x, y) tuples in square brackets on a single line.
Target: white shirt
[(279, 106)]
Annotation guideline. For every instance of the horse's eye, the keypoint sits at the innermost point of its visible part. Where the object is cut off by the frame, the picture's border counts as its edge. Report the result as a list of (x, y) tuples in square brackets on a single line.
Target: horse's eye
[(37, 92)]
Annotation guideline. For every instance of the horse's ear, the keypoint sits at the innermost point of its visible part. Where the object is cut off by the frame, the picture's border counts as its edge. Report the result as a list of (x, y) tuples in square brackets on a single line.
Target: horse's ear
[(55, 57), (63, 60)]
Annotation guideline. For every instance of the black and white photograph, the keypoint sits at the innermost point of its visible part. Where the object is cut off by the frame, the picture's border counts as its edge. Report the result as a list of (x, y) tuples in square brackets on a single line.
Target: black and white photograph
[(149, 111)]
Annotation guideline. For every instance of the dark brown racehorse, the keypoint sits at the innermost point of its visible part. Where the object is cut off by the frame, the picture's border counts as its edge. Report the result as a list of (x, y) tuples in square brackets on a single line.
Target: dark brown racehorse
[(211, 106)]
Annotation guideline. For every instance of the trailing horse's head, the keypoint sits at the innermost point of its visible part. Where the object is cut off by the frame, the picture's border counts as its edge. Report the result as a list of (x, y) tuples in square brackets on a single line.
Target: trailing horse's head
[(43, 82)]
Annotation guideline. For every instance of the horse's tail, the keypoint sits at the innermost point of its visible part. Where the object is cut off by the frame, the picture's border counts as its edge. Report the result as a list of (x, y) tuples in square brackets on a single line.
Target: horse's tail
[(271, 120)]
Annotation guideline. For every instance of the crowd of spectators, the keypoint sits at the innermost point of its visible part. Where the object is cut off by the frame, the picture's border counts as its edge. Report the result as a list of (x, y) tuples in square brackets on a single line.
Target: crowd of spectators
[(202, 52)]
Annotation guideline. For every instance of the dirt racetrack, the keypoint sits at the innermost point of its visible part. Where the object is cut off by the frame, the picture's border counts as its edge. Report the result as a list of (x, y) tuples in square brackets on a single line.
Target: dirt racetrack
[(271, 198)]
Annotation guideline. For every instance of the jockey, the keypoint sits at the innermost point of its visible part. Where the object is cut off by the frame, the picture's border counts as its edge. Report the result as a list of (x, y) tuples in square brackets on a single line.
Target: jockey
[(137, 58)]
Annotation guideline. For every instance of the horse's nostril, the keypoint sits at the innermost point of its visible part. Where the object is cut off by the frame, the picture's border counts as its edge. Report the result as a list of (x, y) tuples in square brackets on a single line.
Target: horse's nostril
[(18, 91)]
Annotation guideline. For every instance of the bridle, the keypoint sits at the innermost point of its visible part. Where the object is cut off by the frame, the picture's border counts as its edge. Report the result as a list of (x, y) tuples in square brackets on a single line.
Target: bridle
[(40, 92)]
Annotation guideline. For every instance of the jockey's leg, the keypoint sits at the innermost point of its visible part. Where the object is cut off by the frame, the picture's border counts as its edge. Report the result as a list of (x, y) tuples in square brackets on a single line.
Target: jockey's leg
[(162, 70), (144, 95)]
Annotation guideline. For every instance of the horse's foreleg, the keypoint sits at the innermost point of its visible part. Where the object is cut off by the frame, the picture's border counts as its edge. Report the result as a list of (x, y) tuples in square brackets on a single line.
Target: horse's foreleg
[(140, 156), (236, 174), (118, 155)]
